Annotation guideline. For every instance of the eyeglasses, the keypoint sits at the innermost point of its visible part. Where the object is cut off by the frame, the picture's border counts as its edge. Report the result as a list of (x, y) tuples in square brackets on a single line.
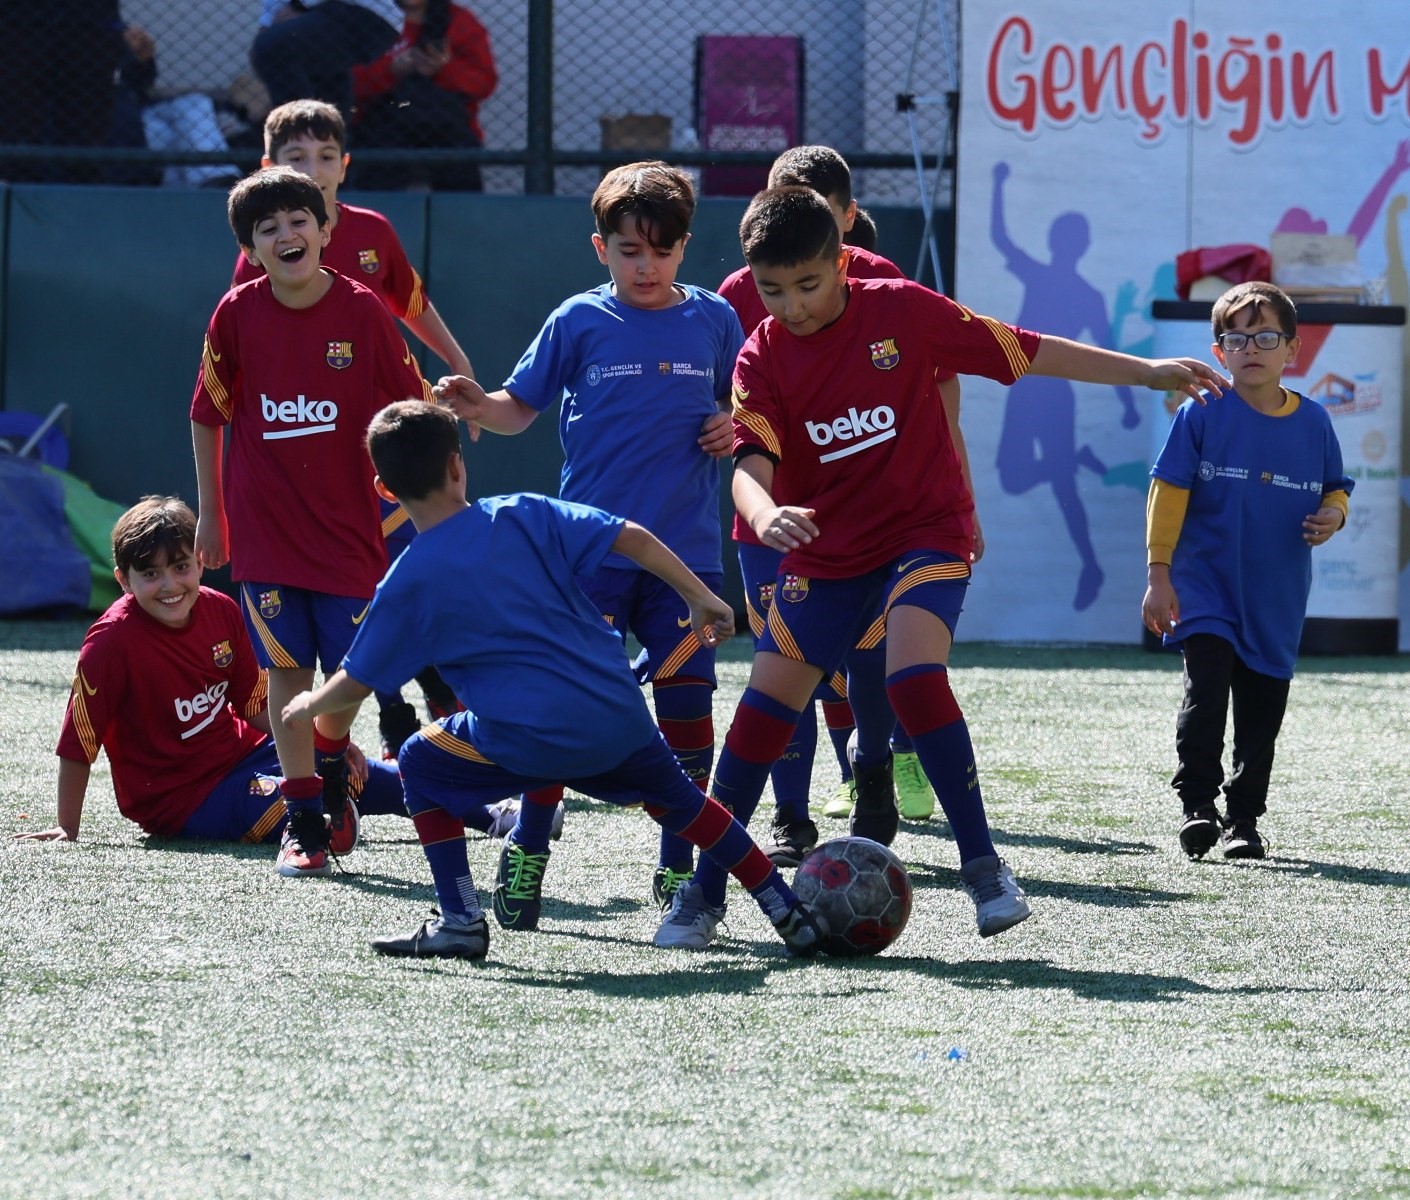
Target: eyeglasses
[(1264, 339)]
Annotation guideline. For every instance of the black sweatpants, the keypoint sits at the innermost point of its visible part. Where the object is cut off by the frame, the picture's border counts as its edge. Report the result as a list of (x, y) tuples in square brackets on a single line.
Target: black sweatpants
[(1213, 673)]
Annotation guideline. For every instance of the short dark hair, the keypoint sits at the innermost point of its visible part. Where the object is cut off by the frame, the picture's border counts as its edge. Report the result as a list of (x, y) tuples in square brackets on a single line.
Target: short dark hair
[(298, 118), (1258, 294), (863, 231), (154, 527), (411, 442), (268, 191), (818, 167), (658, 195), (785, 226)]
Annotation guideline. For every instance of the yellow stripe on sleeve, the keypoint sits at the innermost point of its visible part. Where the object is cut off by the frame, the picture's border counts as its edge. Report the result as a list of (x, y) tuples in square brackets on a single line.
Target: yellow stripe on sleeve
[(1165, 517)]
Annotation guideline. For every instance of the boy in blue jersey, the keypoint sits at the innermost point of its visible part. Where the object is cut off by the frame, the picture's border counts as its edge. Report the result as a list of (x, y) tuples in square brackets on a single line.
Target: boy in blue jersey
[(486, 592), (642, 365), (1240, 494)]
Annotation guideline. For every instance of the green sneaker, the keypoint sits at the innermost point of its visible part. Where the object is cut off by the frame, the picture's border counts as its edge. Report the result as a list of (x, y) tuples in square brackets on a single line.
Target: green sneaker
[(913, 791), (666, 882), (839, 804), (519, 887)]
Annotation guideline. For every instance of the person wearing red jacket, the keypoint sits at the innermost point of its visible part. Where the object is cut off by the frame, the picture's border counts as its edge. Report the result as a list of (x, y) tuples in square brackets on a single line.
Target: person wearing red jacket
[(426, 92)]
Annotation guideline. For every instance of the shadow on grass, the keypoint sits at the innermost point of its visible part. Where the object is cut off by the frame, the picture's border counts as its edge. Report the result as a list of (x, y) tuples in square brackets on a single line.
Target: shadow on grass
[(927, 877), (1340, 872), (939, 830), (1040, 974)]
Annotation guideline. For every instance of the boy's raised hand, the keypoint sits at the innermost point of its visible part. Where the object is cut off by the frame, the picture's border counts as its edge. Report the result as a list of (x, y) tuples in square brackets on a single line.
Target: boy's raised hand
[(465, 398), (1188, 376)]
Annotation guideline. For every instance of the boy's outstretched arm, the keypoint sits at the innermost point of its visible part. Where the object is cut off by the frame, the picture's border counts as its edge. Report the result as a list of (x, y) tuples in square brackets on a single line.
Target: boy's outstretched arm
[(1090, 364), (339, 693), (432, 331), (73, 786), (212, 533), (710, 617), (499, 412), (780, 527)]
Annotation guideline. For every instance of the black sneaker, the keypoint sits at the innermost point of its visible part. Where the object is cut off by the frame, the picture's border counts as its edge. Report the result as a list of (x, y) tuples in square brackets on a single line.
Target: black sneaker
[(791, 842), (518, 892), (666, 882), (1241, 840), (435, 938), (803, 931), (875, 814), (396, 723), (1199, 830)]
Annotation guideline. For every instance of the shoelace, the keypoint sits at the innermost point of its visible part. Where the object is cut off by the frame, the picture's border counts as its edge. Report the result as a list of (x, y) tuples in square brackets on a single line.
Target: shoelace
[(672, 881), (525, 873), (986, 889)]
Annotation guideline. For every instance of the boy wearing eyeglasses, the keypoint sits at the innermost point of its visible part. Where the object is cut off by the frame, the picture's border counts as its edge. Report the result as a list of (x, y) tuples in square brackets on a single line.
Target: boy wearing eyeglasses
[(1240, 494)]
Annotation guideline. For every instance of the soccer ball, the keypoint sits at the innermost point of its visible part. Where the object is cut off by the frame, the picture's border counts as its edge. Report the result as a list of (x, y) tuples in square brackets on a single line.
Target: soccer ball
[(861, 889)]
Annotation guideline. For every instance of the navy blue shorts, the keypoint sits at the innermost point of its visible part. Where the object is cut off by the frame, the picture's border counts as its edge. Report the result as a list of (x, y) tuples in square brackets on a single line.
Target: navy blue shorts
[(640, 603), (293, 627)]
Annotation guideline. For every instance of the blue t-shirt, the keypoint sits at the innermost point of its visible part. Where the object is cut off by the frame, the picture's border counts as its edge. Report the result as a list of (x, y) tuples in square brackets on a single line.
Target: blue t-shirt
[(637, 385), (1241, 568), (488, 598)]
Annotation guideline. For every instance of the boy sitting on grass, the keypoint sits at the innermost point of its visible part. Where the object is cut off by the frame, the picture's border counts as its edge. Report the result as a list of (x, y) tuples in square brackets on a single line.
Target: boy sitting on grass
[(486, 592), (167, 684)]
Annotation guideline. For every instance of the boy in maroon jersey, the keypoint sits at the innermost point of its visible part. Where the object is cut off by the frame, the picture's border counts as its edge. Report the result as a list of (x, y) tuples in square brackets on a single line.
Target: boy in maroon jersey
[(296, 363), (885, 777), (310, 136), (845, 463), (167, 683)]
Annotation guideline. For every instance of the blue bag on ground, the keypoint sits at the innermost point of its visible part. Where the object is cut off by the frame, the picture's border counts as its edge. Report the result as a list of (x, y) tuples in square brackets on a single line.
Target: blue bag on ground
[(42, 567)]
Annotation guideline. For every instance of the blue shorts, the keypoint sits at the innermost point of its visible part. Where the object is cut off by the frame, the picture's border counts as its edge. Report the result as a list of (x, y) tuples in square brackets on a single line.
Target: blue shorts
[(246, 805), (817, 621), (644, 605), (759, 567), (397, 529), (293, 627), (441, 768)]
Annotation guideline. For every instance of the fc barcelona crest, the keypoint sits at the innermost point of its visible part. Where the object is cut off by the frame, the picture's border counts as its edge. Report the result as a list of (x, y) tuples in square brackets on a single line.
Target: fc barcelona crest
[(263, 785), (270, 604), (222, 655), (795, 588), (368, 261), (766, 595), (884, 354), (340, 355)]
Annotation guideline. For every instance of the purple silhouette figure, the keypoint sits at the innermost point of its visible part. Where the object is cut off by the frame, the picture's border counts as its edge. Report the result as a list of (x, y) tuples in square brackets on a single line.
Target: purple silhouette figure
[(1038, 442), (1299, 220)]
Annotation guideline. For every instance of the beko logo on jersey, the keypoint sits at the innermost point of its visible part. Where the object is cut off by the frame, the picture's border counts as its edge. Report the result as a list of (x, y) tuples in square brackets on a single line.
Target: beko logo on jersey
[(311, 416), (207, 703), (874, 424)]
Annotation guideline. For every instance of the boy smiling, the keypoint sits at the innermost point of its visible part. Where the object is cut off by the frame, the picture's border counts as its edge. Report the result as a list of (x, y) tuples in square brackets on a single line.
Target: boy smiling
[(296, 363)]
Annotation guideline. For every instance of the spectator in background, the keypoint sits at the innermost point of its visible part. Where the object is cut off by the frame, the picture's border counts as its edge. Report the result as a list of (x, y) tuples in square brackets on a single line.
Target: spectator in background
[(143, 118), (426, 91), (56, 88), (307, 50)]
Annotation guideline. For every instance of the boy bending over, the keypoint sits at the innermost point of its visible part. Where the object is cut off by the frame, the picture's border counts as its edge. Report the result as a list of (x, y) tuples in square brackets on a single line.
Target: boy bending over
[(486, 592)]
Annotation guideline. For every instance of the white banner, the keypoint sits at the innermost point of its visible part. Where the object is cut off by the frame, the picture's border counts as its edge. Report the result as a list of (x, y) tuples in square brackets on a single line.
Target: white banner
[(1098, 140)]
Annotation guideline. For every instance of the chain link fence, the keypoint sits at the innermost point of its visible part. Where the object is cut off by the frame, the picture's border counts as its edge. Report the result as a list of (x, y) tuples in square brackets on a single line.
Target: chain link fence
[(508, 96)]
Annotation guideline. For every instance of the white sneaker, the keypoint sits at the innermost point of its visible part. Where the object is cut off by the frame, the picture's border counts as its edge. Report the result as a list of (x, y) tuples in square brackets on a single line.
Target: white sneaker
[(690, 922), (999, 902), (504, 813)]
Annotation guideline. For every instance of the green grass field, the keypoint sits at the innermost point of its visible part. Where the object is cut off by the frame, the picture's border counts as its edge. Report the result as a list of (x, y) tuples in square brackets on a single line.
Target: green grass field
[(180, 1022)]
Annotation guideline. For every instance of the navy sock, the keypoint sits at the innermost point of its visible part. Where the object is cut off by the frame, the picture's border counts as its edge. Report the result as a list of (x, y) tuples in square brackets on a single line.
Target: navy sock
[(760, 732), (792, 775), (925, 704), (866, 692), (684, 715), (442, 838)]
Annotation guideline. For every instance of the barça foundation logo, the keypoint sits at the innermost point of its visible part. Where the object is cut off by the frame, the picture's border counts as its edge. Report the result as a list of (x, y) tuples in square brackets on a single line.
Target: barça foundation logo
[(795, 588), (270, 604), (340, 355), (222, 655), (367, 260), (884, 354)]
